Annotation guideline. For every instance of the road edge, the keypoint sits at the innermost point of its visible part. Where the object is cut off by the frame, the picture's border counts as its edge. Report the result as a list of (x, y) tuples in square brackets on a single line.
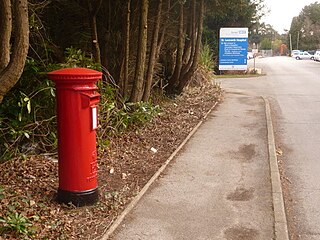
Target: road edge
[(280, 219), (136, 199)]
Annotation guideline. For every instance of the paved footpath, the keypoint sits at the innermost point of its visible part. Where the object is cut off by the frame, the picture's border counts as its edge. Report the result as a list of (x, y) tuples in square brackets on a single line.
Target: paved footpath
[(217, 187)]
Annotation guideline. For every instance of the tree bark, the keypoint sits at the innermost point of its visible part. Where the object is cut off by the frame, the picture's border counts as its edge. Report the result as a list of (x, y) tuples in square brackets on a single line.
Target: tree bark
[(124, 76), (93, 9), (162, 35), (186, 78), (137, 90), (190, 49), (5, 33), (164, 28), (12, 72), (174, 80), (153, 54), (189, 35)]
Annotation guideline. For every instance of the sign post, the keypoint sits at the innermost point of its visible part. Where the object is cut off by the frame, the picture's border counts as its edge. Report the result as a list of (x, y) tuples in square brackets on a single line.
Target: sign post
[(233, 48)]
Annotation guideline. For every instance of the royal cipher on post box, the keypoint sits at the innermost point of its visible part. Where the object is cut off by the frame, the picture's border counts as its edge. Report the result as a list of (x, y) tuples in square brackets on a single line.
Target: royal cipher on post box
[(77, 117)]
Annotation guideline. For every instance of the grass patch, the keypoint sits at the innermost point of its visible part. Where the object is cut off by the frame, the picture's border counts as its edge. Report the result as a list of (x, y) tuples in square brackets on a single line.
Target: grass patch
[(239, 75)]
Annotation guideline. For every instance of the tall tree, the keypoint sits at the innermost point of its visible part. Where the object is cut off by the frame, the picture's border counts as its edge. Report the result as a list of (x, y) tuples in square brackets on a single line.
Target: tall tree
[(137, 89), (174, 80), (153, 53), (185, 78), (305, 28), (5, 33), (187, 57), (93, 8), (124, 75), (11, 70), (190, 40)]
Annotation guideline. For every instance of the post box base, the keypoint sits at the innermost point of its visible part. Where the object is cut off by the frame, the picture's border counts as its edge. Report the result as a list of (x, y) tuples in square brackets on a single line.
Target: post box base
[(78, 198)]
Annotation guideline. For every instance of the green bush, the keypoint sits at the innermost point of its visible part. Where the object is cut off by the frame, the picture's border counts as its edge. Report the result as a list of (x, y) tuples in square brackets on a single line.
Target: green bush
[(207, 58), (116, 117), (28, 118), (27, 113)]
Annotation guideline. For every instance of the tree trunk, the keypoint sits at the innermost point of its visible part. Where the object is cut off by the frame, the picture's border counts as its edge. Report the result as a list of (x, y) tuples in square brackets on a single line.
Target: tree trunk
[(190, 49), (189, 35), (12, 72), (124, 76), (106, 32), (161, 38), (93, 9), (174, 80), (186, 78), (5, 33), (153, 54), (95, 43), (137, 90), (164, 28)]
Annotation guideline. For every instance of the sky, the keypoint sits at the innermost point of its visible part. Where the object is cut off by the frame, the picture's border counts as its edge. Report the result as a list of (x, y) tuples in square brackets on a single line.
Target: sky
[(282, 12)]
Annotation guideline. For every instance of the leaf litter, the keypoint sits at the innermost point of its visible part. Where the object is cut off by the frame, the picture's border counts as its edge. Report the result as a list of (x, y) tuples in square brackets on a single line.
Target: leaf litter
[(28, 187)]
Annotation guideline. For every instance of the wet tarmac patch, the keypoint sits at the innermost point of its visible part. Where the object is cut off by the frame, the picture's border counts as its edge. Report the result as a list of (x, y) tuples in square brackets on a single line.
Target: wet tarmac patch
[(249, 101), (241, 194), (241, 233), (252, 112), (247, 151)]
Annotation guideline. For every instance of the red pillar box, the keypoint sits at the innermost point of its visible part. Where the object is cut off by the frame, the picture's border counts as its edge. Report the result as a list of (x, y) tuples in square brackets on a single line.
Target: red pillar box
[(77, 113)]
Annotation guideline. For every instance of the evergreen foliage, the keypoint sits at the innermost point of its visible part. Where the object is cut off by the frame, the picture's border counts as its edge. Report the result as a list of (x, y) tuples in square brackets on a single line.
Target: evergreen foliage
[(103, 35)]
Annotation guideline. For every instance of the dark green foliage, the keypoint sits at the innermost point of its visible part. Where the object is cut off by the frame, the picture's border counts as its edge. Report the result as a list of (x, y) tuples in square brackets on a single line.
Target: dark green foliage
[(305, 28), (116, 117), (17, 223), (28, 113)]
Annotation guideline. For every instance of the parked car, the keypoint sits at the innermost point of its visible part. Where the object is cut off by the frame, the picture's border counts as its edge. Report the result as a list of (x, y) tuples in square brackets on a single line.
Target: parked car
[(312, 52), (316, 56), (304, 55), (294, 53)]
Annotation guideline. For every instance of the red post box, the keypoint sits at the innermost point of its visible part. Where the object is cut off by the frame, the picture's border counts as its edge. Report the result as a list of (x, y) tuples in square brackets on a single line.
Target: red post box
[(77, 114)]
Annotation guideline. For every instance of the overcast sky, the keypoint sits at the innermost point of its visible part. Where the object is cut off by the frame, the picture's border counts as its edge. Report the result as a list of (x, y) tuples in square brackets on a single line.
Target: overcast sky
[(282, 12)]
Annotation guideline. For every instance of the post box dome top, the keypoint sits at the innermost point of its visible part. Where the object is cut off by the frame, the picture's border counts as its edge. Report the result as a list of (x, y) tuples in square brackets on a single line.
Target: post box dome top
[(74, 74)]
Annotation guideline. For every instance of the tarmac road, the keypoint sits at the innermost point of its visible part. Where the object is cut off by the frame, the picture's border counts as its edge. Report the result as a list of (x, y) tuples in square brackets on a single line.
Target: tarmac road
[(220, 185), (293, 88), (217, 187)]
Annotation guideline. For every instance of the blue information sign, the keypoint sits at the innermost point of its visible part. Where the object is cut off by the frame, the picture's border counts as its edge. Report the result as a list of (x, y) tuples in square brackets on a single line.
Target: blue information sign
[(233, 48)]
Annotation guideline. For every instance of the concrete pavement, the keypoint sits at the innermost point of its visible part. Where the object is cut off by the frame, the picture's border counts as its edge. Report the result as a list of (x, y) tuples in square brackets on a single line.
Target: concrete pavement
[(218, 186)]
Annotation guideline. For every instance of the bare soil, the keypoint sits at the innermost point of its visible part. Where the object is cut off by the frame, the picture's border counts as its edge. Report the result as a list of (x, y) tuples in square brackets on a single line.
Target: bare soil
[(28, 187)]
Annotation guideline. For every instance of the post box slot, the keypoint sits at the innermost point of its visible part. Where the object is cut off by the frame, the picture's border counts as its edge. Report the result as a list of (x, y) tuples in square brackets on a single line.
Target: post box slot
[(90, 99)]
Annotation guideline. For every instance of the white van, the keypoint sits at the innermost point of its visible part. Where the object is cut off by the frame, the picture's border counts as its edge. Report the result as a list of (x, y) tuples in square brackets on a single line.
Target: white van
[(316, 56)]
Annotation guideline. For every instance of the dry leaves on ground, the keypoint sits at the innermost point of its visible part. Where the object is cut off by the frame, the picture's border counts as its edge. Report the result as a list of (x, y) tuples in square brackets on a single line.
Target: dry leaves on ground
[(28, 187)]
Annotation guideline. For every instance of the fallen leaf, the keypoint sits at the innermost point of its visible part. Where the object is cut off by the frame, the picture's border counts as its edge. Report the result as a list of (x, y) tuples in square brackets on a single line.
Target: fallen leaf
[(124, 176), (154, 150), (279, 152)]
